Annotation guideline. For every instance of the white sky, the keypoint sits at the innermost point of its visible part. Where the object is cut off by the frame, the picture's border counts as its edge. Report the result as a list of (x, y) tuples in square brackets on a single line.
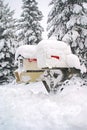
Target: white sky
[(42, 4)]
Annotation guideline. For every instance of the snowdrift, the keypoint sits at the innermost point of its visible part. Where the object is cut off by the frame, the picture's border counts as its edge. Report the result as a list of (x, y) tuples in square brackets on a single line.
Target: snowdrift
[(30, 107)]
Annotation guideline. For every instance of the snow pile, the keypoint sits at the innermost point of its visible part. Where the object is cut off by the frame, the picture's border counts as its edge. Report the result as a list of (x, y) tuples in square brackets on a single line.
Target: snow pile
[(73, 61), (52, 53), (30, 107), (27, 51)]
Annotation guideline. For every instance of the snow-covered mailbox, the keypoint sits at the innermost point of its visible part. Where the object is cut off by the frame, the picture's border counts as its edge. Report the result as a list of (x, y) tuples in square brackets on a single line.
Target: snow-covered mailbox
[(48, 56), (56, 54), (52, 53), (26, 58)]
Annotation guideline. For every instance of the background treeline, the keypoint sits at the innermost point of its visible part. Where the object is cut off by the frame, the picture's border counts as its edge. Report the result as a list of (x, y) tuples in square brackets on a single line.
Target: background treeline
[(67, 20)]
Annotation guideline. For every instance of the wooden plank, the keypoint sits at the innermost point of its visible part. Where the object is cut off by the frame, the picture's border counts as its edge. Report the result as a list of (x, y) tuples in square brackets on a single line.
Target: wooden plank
[(17, 76)]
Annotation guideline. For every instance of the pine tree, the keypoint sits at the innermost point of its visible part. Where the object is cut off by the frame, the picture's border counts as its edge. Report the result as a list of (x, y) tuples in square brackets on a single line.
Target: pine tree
[(7, 27), (68, 21), (30, 30)]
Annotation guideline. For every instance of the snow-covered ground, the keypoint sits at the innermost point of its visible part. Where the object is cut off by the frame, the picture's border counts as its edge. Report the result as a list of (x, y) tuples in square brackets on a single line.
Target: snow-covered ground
[(30, 107)]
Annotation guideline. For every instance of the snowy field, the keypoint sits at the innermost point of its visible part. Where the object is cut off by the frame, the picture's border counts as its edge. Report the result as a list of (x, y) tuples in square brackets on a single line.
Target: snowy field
[(30, 107)]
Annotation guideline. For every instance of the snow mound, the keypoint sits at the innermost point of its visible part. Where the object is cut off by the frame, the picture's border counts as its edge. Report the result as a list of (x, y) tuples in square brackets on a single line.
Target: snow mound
[(73, 61), (27, 51), (29, 107), (46, 45), (52, 53)]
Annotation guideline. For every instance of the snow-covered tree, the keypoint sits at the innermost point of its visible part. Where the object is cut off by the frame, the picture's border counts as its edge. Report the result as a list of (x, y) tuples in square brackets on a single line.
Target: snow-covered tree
[(68, 21), (30, 30), (7, 27)]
